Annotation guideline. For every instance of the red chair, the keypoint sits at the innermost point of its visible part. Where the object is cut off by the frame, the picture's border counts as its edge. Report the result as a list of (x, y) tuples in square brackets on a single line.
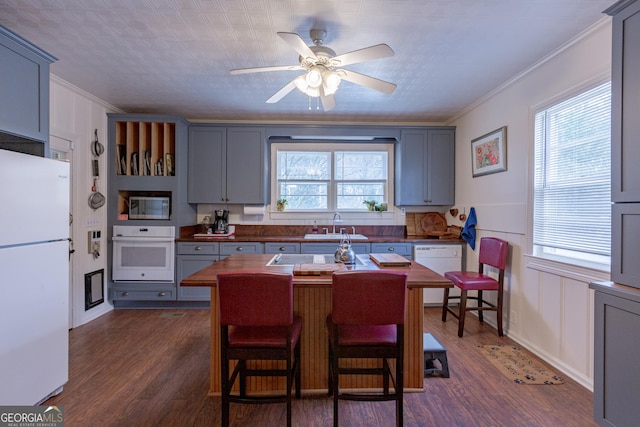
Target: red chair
[(257, 323), (367, 321), (493, 252)]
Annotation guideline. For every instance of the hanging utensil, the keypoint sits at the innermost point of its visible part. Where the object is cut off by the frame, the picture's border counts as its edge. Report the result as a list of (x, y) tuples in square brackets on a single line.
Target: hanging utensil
[(96, 199), (96, 147)]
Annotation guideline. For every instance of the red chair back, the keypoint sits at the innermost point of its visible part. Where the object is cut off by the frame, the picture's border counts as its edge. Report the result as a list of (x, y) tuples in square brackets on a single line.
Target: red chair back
[(369, 297), (493, 252), (255, 298)]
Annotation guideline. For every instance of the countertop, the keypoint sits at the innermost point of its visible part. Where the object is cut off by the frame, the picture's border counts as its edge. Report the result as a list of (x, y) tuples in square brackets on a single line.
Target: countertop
[(418, 275), (295, 234)]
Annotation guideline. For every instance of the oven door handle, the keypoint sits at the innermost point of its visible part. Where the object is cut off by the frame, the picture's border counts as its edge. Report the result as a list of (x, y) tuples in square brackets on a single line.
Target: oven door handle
[(142, 239)]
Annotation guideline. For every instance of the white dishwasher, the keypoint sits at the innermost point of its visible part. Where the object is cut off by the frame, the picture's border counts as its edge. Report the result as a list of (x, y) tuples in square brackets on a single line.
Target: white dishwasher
[(439, 258)]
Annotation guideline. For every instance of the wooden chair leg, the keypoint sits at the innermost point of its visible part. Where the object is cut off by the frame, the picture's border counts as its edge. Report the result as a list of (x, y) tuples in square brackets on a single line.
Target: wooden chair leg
[(445, 304), (336, 388), (289, 386), (499, 313), (480, 312), (462, 312), (225, 393), (330, 370)]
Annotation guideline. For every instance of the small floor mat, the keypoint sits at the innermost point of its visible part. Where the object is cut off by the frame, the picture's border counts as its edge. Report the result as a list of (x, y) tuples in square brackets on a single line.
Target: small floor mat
[(519, 367)]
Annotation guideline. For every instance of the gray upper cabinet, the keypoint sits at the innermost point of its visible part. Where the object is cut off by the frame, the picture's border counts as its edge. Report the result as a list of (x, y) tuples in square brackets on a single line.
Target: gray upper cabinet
[(206, 164), (228, 165), (24, 110), (625, 81), (424, 167)]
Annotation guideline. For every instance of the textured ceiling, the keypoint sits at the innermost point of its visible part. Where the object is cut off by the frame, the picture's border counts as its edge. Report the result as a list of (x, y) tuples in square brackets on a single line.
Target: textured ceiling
[(174, 56)]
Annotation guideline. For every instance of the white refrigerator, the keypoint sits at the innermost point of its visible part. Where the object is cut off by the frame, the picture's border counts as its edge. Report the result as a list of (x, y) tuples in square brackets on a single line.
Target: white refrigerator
[(34, 278)]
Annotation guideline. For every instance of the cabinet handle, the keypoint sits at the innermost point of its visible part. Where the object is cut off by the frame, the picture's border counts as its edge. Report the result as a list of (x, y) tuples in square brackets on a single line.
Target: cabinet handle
[(282, 249), (239, 248), (162, 294), (197, 248), (125, 294), (391, 249)]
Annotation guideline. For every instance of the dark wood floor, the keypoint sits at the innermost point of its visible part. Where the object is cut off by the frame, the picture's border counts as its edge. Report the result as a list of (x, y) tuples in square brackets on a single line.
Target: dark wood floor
[(151, 368)]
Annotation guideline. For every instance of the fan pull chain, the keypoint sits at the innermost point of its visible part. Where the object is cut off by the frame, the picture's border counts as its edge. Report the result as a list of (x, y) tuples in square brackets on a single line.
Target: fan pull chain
[(309, 103)]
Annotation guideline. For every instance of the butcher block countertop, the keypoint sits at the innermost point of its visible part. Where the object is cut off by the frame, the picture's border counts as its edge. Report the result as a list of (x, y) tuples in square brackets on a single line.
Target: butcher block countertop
[(418, 276)]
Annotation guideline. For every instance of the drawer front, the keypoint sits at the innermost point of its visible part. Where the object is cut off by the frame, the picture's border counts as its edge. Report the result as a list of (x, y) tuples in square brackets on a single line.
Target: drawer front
[(228, 248), (157, 295), (196, 248), (282, 248), (396, 248)]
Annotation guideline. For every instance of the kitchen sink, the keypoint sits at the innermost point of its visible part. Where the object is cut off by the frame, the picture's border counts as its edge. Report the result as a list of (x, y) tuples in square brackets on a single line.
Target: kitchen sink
[(292, 259), (335, 236)]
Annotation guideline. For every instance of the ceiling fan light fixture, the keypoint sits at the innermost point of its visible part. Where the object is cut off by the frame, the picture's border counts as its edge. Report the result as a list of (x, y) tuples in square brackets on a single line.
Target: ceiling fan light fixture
[(314, 77), (330, 82)]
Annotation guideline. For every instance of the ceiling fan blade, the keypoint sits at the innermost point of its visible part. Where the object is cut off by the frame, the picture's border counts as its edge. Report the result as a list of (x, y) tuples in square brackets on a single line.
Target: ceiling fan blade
[(367, 81), (328, 101), (361, 55), (282, 92), (265, 69), (298, 44)]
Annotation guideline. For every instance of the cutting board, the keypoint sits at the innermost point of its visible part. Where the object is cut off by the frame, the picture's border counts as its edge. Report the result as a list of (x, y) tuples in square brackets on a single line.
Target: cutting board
[(424, 224), (316, 269), (390, 260)]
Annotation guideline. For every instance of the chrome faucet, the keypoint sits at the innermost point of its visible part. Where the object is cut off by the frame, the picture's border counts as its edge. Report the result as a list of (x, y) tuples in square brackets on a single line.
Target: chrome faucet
[(337, 219)]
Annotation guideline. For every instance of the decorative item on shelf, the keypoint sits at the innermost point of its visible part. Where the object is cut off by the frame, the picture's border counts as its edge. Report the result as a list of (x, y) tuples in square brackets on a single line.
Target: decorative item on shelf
[(281, 204), (374, 206)]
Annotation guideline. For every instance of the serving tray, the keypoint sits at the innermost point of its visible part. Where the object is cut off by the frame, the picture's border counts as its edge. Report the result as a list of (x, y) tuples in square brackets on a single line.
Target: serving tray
[(390, 260), (316, 269)]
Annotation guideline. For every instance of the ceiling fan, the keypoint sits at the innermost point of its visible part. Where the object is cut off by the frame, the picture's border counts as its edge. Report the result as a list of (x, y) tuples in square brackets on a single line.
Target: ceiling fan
[(322, 69)]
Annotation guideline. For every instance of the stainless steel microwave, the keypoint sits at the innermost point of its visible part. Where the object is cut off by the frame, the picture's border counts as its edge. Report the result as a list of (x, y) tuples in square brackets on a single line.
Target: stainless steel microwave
[(141, 207)]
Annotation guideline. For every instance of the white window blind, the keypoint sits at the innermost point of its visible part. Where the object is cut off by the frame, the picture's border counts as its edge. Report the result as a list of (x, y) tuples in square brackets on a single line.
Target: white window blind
[(572, 187)]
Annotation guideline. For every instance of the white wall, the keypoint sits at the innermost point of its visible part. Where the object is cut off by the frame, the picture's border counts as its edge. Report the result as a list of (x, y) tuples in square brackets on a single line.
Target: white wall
[(549, 306), (74, 116)]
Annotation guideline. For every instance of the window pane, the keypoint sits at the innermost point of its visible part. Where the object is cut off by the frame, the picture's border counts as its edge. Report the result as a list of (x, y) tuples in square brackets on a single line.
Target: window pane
[(305, 165), (361, 165), (351, 195), (304, 195), (572, 182)]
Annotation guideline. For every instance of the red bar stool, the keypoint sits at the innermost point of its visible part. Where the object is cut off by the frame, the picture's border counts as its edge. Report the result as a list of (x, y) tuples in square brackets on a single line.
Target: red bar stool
[(493, 252), (257, 323), (367, 321)]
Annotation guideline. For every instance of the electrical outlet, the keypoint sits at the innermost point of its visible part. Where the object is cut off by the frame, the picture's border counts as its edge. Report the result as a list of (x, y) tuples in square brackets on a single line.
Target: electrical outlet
[(402, 211)]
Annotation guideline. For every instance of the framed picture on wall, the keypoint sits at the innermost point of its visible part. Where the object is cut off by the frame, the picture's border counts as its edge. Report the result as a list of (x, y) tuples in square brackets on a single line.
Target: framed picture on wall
[(489, 153)]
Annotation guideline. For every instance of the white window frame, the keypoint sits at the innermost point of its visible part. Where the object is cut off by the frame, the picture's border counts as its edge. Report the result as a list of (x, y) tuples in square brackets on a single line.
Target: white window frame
[(333, 147), (595, 263)]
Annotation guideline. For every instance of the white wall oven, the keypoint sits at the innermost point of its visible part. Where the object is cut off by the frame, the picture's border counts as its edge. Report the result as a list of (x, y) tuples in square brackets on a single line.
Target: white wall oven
[(143, 254)]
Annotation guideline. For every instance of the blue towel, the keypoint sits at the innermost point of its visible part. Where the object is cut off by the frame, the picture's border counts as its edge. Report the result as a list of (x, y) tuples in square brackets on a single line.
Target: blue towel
[(469, 230)]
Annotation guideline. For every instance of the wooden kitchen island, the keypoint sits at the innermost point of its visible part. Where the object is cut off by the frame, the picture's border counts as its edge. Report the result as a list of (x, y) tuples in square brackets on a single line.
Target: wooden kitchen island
[(312, 302)]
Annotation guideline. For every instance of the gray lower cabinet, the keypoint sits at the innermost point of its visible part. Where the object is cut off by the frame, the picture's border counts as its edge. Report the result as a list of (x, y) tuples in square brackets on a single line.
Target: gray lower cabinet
[(616, 338), (143, 292), (330, 248), (228, 165), (425, 167), (231, 248), (192, 257), (403, 249), (282, 248)]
